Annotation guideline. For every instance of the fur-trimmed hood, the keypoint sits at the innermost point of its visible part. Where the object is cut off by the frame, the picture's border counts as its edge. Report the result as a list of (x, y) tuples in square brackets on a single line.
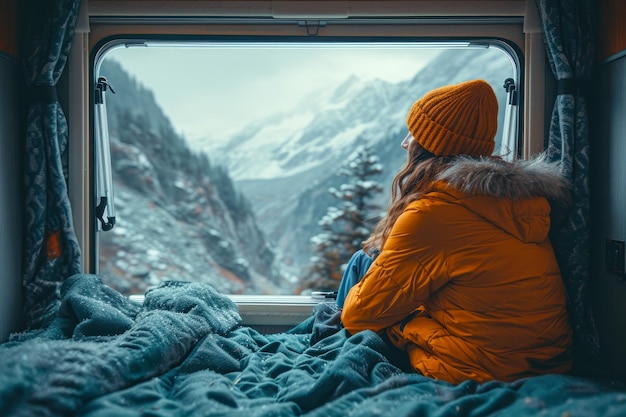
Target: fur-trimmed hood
[(536, 177), (517, 197)]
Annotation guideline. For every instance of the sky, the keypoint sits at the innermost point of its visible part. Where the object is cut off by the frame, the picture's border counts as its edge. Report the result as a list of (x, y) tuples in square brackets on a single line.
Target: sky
[(210, 92)]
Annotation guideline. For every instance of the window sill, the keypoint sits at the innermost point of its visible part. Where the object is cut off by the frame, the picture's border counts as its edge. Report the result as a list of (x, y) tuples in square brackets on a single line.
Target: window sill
[(273, 310)]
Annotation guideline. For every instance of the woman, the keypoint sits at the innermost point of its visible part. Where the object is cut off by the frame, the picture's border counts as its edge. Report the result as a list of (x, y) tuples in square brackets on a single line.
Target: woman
[(466, 281)]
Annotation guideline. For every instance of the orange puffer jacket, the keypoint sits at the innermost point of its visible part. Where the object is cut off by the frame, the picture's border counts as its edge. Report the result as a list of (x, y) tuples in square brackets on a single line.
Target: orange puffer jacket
[(467, 282)]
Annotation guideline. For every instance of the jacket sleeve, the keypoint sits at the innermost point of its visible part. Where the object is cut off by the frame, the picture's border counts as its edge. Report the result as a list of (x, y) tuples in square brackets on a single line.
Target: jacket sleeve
[(410, 267)]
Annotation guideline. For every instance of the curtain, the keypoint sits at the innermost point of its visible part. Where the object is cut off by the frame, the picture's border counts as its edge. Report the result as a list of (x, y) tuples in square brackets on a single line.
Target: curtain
[(51, 251), (569, 37)]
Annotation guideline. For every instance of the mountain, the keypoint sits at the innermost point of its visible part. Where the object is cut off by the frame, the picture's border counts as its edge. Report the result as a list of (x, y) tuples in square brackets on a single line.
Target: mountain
[(179, 216), (286, 164), (242, 220), (326, 124)]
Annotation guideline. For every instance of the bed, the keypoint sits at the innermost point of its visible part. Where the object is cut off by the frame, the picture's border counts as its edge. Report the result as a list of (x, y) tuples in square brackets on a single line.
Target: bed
[(184, 352)]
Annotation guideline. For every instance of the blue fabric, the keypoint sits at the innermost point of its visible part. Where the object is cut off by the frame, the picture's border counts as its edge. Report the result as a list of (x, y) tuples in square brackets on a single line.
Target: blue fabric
[(184, 353), (51, 250), (568, 28), (355, 270)]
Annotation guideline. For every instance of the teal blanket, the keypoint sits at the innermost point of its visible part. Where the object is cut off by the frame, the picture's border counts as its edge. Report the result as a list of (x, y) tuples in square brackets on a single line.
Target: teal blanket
[(184, 353)]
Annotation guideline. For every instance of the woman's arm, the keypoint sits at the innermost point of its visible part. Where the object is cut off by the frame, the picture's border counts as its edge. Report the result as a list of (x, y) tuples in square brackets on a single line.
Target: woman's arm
[(411, 266)]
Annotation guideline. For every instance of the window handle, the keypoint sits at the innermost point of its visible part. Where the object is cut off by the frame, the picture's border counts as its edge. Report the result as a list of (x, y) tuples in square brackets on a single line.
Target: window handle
[(104, 181), (509, 130)]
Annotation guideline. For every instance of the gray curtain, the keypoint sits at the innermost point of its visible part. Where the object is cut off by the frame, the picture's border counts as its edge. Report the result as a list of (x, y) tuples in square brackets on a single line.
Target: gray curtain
[(51, 251), (569, 36)]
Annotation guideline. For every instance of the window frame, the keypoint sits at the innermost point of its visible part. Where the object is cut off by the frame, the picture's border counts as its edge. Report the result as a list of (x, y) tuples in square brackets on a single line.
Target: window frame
[(106, 20)]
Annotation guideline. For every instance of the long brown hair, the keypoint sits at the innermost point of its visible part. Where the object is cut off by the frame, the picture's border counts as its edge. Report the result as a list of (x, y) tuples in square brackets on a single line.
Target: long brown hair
[(414, 179)]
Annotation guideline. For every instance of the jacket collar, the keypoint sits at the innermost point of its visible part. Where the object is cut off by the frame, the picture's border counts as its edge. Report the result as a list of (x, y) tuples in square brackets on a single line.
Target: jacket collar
[(522, 179)]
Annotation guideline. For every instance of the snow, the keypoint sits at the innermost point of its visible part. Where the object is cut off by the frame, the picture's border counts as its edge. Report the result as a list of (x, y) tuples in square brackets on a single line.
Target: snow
[(270, 150)]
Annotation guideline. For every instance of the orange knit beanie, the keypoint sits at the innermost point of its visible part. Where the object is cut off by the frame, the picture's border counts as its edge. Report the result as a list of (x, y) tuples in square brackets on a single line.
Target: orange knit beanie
[(460, 119)]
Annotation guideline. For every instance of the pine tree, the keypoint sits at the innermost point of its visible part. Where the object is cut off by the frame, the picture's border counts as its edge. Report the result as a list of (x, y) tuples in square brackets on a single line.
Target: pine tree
[(344, 228)]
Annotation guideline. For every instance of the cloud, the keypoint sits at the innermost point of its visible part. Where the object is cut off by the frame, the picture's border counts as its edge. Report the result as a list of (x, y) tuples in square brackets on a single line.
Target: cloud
[(214, 91)]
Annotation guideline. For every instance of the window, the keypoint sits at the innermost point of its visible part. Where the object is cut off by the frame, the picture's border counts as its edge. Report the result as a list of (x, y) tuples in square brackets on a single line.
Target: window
[(233, 160)]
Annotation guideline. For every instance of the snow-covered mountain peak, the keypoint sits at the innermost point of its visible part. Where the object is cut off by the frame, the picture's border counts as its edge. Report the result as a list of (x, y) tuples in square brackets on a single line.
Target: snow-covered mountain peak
[(312, 134)]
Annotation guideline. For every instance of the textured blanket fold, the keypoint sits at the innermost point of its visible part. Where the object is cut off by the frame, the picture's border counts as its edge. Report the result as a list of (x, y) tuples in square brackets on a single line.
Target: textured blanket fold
[(78, 357), (184, 353)]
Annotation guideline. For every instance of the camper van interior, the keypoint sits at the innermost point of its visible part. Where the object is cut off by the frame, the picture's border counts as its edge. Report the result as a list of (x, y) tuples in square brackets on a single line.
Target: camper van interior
[(183, 184)]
